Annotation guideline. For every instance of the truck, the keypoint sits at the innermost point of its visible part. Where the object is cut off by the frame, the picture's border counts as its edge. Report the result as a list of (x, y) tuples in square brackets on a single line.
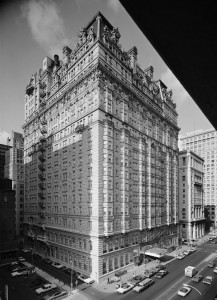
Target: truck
[(190, 271)]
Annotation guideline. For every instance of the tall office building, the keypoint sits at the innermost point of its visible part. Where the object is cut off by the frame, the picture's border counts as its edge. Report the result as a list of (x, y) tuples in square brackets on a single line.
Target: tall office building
[(204, 143), (14, 170), (100, 155), (191, 196)]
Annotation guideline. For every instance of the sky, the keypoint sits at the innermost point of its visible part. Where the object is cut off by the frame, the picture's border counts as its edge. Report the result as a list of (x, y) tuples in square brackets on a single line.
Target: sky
[(30, 30)]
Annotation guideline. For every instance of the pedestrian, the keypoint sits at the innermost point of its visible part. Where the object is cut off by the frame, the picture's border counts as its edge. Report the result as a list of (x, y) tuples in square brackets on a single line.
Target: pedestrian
[(108, 280)]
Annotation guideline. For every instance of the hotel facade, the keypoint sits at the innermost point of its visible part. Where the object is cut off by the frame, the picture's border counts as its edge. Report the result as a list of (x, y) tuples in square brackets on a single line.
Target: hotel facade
[(100, 157)]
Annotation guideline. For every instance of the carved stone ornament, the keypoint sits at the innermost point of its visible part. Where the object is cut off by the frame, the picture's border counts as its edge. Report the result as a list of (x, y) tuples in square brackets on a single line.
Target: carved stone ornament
[(106, 34), (169, 94), (115, 35), (66, 55), (155, 89), (91, 35), (149, 72), (82, 35)]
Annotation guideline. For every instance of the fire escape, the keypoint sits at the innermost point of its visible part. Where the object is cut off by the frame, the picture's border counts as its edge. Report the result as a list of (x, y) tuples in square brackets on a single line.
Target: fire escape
[(41, 172)]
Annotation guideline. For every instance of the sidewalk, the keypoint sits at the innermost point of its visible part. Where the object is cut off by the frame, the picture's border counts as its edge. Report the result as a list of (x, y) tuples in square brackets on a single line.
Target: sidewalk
[(111, 287)]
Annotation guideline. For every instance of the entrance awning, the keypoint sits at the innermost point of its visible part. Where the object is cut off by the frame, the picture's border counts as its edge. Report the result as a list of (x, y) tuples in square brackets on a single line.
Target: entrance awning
[(156, 252)]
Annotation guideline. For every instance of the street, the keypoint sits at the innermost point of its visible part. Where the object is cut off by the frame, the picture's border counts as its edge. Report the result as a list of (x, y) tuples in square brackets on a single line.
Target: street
[(164, 288)]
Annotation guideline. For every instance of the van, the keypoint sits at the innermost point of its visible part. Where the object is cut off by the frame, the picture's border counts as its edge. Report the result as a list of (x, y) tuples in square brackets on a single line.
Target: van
[(143, 285), (190, 271)]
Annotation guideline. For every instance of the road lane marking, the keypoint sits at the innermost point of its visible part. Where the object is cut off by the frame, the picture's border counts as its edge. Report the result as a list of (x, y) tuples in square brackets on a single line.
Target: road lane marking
[(166, 293)]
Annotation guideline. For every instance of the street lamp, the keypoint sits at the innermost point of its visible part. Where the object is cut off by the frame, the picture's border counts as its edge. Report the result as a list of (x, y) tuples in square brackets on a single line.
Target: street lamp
[(187, 285), (71, 284)]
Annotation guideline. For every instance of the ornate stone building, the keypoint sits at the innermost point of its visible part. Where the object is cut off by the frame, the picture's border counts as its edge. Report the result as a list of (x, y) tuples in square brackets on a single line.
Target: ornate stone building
[(101, 156), (191, 196)]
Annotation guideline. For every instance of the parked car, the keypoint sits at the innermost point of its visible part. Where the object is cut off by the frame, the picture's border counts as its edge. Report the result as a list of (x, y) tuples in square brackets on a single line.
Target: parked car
[(57, 265), (197, 278), (23, 271), (37, 256), (211, 264), (19, 272), (37, 282), (186, 252), (85, 278), (151, 272), (47, 261), (215, 270), (17, 268), (136, 279), (180, 256), (126, 287), (193, 249), (25, 250), (160, 267), (143, 285), (208, 280), (161, 273), (184, 291), (21, 258), (46, 288), (67, 270), (57, 295)]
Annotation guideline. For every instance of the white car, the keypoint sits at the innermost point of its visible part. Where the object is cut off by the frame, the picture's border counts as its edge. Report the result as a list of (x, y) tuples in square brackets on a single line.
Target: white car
[(15, 263), (26, 250), (57, 265), (186, 252), (18, 273), (208, 280), (126, 287), (215, 270), (45, 288), (21, 258), (57, 295), (180, 256), (193, 249), (23, 271), (85, 279), (184, 291)]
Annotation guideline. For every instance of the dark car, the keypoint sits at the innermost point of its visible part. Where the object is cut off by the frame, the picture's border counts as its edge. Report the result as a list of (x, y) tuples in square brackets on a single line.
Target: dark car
[(197, 278), (160, 267), (136, 279), (161, 273), (47, 261), (211, 264), (37, 282), (67, 270), (37, 256)]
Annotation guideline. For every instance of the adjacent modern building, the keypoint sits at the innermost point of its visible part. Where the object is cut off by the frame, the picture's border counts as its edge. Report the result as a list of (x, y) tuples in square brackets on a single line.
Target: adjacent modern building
[(191, 196), (14, 170), (8, 241), (204, 144), (100, 156)]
